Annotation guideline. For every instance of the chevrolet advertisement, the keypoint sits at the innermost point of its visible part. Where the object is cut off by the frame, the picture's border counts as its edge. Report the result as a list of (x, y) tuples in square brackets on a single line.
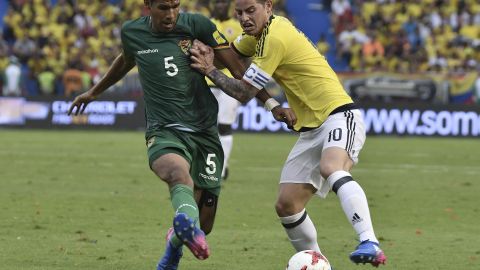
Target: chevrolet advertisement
[(42, 113)]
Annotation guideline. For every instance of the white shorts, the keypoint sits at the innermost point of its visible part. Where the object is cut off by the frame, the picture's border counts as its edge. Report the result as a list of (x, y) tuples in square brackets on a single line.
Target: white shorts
[(227, 107), (344, 129)]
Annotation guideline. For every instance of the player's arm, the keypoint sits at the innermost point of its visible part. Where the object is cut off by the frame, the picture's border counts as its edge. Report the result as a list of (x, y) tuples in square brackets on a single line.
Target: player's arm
[(237, 65), (237, 88), (203, 59), (117, 70)]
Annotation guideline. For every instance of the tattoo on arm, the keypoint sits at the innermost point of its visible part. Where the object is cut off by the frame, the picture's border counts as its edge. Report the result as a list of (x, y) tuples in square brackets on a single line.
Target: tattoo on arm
[(237, 89)]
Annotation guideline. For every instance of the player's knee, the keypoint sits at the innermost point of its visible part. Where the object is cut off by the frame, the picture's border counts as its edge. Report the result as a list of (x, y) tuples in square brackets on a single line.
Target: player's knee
[(171, 175), (284, 207), (328, 168), (224, 129)]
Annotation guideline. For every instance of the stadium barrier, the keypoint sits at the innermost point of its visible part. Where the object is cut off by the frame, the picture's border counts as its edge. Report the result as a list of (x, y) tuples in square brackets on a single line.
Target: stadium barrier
[(431, 88), (412, 119)]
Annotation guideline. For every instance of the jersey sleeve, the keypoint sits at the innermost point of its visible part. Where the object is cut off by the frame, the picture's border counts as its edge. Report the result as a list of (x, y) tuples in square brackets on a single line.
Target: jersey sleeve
[(269, 53), (127, 50), (245, 45), (206, 31)]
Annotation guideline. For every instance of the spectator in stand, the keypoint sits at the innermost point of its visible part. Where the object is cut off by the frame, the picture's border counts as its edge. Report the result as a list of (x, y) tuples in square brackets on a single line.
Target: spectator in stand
[(342, 14), (322, 45), (349, 41), (477, 87), (24, 48), (46, 81), (72, 80), (3, 57), (12, 79), (372, 52)]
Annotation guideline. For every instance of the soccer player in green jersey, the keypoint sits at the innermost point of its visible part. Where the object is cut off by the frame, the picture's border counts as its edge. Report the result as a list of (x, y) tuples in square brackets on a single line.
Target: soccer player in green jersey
[(181, 117)]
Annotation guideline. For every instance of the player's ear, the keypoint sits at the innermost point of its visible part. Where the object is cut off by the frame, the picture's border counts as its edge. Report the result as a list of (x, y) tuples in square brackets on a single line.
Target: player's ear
[(269, 5)]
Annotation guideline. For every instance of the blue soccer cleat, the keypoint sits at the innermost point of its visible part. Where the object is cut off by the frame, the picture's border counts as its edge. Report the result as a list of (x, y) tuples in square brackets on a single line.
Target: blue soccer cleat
[(191, 236), (171, 257), (368, 252)]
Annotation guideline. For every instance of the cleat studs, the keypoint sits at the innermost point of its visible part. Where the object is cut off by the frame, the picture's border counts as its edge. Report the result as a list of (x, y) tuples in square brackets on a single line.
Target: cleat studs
[(177, 223), (191, 225)]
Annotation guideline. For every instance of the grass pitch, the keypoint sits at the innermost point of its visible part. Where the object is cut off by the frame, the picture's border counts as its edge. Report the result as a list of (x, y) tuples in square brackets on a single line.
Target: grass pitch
[(87, 200)]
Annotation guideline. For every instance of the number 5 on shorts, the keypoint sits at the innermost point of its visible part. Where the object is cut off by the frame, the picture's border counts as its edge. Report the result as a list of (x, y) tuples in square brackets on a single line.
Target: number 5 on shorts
[(211, 165)]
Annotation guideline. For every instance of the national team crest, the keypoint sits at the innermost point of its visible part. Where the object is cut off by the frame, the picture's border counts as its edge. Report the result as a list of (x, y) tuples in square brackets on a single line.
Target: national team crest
[(185, 46)]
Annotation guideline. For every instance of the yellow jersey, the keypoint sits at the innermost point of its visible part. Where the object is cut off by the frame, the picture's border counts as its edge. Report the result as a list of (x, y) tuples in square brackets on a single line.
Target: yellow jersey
[(312, 88), (230, 29)]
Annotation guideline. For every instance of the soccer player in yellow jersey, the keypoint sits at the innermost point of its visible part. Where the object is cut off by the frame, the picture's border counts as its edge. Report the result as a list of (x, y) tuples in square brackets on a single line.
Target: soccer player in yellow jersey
[(227, 106), (331, 129)]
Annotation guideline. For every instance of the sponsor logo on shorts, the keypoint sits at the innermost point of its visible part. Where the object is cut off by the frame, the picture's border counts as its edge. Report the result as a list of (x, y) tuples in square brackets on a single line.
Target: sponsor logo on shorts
[(208, 177)]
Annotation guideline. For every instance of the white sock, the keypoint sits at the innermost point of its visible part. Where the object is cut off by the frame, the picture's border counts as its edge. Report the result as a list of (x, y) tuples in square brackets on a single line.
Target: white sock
[(303, 235), (227, 144), (354, 204)]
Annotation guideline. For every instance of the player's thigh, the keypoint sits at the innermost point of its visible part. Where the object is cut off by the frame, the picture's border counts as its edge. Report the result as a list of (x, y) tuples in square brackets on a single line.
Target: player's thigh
[(303, 162), (227, 109), (169, 157), (217, 92), (346, 132), (207, 160)]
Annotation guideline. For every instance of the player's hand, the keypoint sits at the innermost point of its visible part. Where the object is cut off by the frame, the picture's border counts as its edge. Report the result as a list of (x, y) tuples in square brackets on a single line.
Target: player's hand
[(80, 103), (202, 57), (285, 115)]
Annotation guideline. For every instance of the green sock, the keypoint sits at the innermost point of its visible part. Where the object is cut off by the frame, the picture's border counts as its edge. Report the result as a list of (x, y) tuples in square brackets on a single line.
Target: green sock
[(183, 201)]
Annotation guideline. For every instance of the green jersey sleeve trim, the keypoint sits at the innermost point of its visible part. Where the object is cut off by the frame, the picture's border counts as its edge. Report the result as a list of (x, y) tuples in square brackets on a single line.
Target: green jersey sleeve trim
[(206, 31)]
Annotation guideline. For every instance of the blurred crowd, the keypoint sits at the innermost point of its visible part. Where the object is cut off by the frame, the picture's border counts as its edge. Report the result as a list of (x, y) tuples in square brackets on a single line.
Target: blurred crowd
[(407, 36), (65, 47)]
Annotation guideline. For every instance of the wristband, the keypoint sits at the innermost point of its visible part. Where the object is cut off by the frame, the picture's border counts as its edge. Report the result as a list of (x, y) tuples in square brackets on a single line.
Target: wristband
[(271, 103)]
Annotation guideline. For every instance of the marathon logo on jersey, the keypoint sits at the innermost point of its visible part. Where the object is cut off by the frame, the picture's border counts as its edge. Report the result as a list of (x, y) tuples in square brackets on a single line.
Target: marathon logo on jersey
[(147, 51), (185, 46), (256, 77)]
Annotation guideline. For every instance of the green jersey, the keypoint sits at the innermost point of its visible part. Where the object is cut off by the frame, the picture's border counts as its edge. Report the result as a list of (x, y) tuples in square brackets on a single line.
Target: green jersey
[(175, 94)]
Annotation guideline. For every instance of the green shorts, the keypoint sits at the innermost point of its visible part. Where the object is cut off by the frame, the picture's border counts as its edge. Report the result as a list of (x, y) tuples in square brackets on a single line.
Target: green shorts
[(203, 151)]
